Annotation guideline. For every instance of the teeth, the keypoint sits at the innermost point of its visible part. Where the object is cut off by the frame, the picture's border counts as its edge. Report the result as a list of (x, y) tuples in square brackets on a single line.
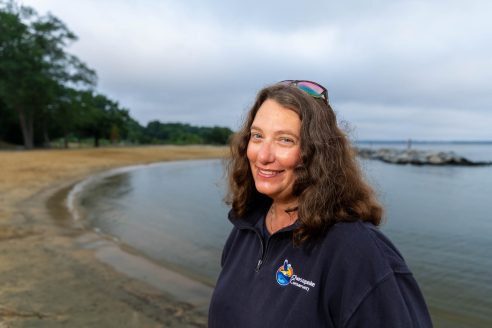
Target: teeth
[(268, 172)]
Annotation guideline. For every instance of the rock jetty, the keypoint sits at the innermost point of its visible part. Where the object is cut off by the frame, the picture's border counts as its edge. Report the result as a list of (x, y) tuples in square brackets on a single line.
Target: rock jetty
[(416, 157)]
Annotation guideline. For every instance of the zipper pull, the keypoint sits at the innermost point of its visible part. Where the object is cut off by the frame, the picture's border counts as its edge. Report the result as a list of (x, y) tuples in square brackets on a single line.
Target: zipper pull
[(258, 265)]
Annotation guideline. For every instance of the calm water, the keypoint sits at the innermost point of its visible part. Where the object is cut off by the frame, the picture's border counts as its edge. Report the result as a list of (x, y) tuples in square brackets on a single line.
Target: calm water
[(439, 217)]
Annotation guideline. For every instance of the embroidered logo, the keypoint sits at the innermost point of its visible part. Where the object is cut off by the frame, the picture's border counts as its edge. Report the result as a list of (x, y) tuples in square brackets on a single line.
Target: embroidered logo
[(284, 273), (285, 276)]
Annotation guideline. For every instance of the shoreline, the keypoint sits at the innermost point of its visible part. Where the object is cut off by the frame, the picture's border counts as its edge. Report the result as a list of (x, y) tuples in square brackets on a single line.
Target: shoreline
[(70, 200), (58, 274)]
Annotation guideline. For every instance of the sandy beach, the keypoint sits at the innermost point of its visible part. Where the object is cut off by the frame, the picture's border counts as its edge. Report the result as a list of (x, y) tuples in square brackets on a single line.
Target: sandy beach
[(57, 274)]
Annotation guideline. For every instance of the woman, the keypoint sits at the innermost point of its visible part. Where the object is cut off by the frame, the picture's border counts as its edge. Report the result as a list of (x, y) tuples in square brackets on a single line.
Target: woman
[(305, 250)]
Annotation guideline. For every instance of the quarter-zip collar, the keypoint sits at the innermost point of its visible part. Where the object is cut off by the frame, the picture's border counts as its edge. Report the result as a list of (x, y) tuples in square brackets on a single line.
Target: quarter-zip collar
[(250, 220)]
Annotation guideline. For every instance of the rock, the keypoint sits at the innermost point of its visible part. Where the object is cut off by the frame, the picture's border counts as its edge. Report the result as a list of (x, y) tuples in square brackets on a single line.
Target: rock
[(435, 159), (416, 157)]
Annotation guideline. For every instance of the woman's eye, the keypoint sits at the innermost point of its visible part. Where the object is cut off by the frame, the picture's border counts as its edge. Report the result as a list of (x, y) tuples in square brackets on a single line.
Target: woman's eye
[(255, 136), (286, 140)]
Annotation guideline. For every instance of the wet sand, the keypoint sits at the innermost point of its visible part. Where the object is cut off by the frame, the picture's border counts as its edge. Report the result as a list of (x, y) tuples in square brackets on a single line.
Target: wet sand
[(55, 273)]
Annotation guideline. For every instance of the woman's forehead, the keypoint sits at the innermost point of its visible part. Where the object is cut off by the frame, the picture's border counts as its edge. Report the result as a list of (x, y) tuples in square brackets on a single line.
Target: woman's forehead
[(275, 116)]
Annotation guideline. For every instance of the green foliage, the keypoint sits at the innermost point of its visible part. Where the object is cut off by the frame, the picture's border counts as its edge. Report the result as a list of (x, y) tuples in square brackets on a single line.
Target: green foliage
[(100, 117), (34, 66), (48, 94), (134, 132), (178, 133)]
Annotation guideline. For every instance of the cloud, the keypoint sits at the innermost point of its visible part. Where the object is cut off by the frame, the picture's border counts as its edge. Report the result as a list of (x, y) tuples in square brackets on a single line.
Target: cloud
[(385, 122), (418, 65)]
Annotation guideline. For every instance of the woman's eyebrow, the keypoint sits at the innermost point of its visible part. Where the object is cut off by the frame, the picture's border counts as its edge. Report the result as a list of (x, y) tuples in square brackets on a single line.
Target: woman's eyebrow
[(289, 132)]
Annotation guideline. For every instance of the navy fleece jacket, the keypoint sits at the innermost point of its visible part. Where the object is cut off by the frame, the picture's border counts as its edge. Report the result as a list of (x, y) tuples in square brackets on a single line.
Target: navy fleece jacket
[(352, 277)]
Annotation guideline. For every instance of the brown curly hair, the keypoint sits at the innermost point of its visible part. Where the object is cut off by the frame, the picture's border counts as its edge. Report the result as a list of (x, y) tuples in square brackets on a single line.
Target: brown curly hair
[(329, 183)]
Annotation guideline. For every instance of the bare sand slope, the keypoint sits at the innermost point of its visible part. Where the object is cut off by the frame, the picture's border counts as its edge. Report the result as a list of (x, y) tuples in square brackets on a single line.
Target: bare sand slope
[(49, 277)]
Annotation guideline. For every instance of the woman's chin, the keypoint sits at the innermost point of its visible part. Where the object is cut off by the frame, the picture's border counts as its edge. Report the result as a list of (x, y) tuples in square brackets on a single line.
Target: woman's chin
[(267, 192), (273, 193)]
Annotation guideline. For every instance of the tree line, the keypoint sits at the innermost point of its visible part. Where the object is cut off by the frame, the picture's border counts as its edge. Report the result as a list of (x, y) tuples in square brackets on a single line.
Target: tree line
[(48, 94)]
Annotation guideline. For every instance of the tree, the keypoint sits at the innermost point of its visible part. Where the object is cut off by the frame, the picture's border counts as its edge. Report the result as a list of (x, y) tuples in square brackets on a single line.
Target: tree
[(217, 135), (34, 65), (65, 112), (178, 133), (101, 117), (134, 132)]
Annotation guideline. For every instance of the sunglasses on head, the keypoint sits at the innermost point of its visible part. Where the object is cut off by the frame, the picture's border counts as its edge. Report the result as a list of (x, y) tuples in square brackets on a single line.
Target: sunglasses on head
[(312, 88)]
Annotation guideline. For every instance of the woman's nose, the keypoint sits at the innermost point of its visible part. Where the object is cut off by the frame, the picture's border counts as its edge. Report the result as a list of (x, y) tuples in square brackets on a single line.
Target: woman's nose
[(266, 153)]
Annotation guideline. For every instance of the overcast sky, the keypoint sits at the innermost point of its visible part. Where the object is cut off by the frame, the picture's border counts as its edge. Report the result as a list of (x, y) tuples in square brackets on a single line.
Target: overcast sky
[(394, 69)]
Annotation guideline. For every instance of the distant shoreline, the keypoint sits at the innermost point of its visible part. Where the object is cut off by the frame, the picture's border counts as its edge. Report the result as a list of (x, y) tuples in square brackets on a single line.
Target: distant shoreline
[(426, 142), (12, 147)]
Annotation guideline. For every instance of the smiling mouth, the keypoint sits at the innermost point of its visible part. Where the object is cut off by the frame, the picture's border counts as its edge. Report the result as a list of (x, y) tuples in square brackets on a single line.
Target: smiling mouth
[(268, 173)]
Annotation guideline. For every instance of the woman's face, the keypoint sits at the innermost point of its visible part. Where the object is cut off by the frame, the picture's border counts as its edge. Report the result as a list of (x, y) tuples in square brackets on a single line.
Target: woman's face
[(274, 150)]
